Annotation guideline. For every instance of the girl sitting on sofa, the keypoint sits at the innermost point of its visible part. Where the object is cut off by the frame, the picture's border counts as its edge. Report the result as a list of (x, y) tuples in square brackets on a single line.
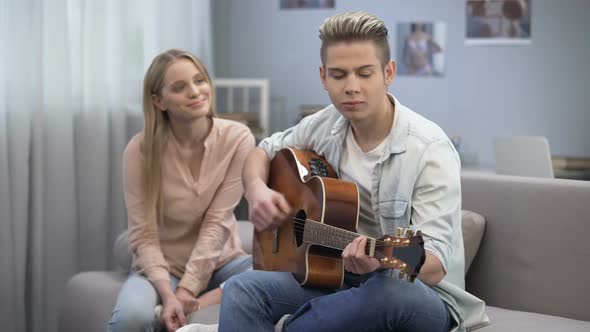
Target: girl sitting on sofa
[(182, 177)]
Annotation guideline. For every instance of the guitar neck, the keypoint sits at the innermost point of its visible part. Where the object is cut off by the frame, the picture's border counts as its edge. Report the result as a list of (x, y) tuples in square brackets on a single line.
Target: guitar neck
[(333, 237)]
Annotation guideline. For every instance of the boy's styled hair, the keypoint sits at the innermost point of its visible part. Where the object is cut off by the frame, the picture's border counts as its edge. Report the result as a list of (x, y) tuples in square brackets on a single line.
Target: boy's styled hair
[(355, 26)]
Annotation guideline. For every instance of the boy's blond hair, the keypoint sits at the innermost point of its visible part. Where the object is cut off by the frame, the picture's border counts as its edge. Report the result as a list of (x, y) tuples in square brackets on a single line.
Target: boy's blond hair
[(355, 26)]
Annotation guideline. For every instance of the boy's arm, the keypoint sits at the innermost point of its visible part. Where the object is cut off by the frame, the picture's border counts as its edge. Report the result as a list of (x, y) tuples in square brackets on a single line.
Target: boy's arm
[(436, 207), (267, 208)]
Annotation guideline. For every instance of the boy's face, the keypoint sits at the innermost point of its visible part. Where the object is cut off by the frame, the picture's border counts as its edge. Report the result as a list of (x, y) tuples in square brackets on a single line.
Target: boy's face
[(355, 79)]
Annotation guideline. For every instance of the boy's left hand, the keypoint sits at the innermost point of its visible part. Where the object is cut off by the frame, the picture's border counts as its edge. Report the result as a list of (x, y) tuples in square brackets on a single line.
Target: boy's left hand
[(356, 260)]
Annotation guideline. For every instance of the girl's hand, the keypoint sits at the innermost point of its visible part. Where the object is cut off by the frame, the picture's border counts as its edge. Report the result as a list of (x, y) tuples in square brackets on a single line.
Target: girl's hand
[(187, 300), (172, 314)]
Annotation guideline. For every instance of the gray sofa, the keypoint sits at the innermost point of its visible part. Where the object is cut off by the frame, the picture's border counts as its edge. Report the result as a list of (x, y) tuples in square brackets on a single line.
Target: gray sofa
[(533, 258), (529, 268)]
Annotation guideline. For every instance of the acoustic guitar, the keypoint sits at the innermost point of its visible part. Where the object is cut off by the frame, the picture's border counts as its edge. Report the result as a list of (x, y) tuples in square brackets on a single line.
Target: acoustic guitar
[(324, 221)]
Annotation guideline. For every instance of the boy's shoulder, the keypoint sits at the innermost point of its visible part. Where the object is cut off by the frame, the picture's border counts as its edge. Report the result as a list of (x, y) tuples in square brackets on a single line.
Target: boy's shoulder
[(324, 118), (418, 126)]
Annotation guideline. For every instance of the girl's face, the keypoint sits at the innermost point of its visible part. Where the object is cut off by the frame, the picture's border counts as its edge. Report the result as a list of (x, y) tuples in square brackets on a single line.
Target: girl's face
[(186, 94)]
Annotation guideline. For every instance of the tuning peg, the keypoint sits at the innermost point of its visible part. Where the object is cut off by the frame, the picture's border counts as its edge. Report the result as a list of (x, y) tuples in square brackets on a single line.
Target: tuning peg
[(384, 260), (400, 231), (401, 275), (409, 232)]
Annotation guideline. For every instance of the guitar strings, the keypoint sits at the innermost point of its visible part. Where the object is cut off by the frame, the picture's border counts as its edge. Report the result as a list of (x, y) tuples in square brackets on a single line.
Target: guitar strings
[(300, 226), (299, 229)]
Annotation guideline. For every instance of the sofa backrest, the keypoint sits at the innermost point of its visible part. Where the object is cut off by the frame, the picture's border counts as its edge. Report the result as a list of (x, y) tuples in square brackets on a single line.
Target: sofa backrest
[(533, 255)]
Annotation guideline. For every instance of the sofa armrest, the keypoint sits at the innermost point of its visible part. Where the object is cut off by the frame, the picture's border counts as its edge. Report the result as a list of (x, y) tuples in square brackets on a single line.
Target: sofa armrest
[(533, 252), (88, 301)]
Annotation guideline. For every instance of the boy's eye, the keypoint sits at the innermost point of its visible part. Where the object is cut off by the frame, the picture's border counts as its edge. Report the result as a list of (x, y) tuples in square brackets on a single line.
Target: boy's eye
[(365, 73), (338, 77)]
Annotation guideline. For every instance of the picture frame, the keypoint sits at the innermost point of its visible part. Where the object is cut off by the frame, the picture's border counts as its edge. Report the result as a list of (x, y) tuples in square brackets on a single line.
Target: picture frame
[(306, 4), (498, 22), (421, 49)]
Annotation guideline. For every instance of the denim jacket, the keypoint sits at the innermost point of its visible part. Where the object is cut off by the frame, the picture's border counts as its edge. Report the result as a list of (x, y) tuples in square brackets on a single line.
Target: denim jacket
[(416, 184)]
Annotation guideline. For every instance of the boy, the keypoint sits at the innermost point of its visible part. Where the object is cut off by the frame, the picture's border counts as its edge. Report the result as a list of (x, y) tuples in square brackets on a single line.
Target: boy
[(408, 174)]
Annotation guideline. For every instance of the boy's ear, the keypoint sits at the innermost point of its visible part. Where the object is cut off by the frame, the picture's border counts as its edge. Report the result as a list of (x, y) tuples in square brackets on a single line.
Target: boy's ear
[(323, 76), (390, 69), (157, 101)]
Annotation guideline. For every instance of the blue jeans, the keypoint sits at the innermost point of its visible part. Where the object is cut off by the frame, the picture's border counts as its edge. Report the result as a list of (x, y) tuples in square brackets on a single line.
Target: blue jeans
[(255, 300), (137, 298)]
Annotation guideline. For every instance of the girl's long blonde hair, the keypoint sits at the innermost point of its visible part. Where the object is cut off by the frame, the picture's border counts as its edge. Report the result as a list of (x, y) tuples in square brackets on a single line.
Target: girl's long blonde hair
[(157, 126)]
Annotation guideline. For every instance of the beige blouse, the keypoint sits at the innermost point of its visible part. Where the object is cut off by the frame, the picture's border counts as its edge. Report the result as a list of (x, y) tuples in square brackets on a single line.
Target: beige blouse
[(197, 233)]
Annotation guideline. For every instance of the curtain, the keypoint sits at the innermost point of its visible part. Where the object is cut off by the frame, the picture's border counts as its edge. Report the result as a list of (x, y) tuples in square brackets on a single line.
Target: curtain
[(71, 75)]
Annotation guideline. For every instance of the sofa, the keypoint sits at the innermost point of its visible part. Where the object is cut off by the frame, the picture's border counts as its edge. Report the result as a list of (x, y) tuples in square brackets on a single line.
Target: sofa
[(528, 265), (533, 258)]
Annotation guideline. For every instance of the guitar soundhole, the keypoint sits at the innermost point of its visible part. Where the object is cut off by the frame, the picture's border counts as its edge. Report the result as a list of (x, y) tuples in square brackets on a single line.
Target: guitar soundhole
[(317, 167), (299, 226)]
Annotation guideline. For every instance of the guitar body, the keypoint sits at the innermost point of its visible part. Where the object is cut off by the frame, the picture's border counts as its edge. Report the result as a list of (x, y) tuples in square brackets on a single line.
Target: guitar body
[(313, 189)]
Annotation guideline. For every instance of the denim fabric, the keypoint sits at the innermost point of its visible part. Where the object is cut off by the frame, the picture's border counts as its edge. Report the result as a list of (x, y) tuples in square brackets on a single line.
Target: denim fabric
[(137, 298), (255, 300)]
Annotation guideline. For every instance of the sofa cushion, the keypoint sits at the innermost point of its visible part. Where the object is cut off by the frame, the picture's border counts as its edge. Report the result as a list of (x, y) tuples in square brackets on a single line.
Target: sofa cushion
[(246, 231), (473, 225), (206, 315), (122, 253), (512, 320)]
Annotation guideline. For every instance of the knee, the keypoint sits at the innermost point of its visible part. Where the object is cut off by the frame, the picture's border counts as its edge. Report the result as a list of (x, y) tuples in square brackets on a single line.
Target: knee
[(246, 287), (132, 316), (241, 283)]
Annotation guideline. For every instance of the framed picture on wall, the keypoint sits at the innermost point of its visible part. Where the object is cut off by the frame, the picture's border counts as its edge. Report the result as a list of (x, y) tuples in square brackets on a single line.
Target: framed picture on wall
[(421, 48), (499, 22), (302, 4)]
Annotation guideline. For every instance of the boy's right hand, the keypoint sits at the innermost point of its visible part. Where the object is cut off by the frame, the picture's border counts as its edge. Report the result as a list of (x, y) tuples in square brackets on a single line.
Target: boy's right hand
[(267, 208)]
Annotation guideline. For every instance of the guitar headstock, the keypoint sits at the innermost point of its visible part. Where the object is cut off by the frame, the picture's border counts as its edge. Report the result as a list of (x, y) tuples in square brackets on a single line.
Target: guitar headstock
[(404, 252)]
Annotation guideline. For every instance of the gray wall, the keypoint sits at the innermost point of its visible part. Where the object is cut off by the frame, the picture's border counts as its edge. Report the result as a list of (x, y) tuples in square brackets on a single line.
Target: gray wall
[(487, 91)]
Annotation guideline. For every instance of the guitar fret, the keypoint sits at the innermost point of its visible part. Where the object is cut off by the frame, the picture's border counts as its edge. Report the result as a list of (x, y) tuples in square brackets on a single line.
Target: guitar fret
[(330, 236)]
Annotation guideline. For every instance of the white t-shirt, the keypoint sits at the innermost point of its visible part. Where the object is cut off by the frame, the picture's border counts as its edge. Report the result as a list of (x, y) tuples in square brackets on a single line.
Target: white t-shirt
[(357, 166)]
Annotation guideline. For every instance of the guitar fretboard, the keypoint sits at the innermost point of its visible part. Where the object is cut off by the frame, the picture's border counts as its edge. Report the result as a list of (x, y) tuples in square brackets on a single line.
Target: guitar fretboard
[(333, 237)]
